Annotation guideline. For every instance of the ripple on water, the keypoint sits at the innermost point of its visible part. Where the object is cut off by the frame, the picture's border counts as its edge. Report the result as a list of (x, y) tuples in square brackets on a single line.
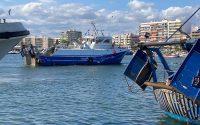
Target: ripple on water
[(73, 95)]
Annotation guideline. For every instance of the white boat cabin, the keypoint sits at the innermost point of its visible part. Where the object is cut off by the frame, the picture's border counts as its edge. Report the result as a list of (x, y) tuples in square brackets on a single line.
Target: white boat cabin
[(100, 42)]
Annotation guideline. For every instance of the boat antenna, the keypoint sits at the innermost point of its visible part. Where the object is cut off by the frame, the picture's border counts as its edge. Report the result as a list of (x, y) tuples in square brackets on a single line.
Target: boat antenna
[(88, 32), (94, 28), (9, 12), (179, 29), (102, 32)]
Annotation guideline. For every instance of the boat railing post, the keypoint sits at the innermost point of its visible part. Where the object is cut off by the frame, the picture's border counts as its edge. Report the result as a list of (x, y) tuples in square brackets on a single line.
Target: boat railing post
[(163, 61)]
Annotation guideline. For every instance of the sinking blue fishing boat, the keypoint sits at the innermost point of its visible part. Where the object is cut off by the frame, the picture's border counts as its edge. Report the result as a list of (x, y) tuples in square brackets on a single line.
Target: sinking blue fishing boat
[(179, 95)]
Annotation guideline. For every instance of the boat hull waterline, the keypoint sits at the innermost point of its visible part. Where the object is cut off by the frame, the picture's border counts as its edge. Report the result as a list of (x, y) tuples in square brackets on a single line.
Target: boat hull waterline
[(178, 106), (108, 59)]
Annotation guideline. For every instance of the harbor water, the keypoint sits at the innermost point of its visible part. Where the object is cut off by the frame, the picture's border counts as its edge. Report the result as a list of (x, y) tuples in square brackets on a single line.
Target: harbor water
[(75, 95)]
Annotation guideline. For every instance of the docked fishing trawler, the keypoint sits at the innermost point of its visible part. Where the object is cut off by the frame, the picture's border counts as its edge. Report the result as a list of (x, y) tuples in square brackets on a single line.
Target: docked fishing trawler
[(95, 50), (179, 95), (10, 35), (99, 52)]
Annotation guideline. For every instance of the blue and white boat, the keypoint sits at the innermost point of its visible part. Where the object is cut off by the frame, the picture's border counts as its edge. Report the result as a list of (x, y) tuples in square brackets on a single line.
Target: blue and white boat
[(94, 51), (179, 95)]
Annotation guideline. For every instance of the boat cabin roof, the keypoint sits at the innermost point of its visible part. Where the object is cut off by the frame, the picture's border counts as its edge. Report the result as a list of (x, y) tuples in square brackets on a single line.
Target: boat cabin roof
[(103, 39)]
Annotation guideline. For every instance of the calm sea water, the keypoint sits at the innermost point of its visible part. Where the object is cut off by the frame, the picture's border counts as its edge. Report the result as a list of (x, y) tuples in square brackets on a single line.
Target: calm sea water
[(74, 95)]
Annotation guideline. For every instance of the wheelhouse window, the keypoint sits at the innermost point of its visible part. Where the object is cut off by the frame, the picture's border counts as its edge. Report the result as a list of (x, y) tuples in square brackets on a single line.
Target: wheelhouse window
[(107, 41), (99, 40)]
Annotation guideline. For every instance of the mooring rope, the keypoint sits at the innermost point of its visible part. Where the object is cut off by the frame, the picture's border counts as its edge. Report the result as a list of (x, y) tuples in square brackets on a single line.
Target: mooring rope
[(130, 86)]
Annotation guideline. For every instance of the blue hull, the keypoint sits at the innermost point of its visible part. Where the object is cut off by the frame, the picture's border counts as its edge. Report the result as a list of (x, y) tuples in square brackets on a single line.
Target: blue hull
[(81, 60)]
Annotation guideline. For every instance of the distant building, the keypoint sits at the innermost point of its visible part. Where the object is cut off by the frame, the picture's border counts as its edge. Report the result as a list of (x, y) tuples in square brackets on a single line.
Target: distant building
[(125, 40), (159, 31), (195, 33), (72, 36), (40, 42)]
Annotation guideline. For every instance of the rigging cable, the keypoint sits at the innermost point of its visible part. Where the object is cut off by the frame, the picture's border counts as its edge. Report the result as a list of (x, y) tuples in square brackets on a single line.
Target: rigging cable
[(130, 86), (181, 26)]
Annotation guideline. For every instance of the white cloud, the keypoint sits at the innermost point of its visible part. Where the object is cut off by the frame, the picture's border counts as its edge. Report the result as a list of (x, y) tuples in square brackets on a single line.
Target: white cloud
[(31, 7), (47, 1), (1, 11), (144, 10), (140, 5), (178, 12)]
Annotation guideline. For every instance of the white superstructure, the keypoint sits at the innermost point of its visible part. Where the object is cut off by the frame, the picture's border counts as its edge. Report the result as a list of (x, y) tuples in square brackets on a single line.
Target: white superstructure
[(101, 45)]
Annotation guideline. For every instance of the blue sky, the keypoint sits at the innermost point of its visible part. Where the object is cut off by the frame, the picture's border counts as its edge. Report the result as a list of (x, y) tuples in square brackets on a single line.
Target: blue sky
[(113, 4), (50, 17)]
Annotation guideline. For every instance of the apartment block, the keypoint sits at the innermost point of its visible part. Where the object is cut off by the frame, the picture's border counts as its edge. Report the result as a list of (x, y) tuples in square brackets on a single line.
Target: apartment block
[(125, 40), (160, 31), (40, 42), (72, 36), (195, 33)]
